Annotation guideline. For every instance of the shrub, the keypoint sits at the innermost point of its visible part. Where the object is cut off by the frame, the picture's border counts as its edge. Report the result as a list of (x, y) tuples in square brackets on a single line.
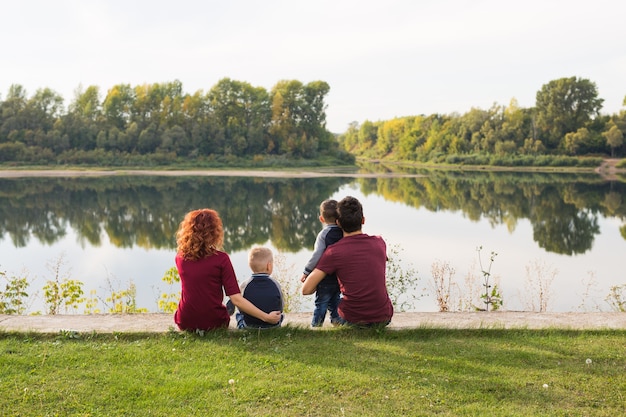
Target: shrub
[(14, 294)]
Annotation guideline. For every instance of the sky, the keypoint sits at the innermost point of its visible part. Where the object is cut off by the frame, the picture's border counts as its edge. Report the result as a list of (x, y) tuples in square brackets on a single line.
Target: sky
[(382, 59)]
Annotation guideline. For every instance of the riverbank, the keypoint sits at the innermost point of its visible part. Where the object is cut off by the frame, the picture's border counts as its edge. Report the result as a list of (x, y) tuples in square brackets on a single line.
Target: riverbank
[(607, 170), (160, 322), (197, 173)]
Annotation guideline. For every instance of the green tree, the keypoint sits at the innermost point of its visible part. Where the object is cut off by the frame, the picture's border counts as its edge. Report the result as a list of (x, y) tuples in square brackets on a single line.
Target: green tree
[(117, 105), (286, 104), (171, 106), (614, 138), (368, 135), (242, 115), (148, 140), (565, 105), (573, 140), (298, 124), (176, 140), (516, 124), (46, 106), (314, 118), (469, 127), (348, 140), (389, 134), (412, 138), (87, 103), (12, 116), (81, 124)]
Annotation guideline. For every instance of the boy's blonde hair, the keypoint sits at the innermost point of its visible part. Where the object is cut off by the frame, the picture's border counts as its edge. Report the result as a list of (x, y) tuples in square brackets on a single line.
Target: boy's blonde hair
[(258, 258)]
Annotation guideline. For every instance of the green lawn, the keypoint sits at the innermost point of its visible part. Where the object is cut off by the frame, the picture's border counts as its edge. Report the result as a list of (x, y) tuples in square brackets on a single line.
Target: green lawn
[(303, 372)]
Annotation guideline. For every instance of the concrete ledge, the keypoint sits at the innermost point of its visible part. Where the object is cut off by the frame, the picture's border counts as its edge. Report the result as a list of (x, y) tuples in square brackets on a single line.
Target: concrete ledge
[(160, 323)]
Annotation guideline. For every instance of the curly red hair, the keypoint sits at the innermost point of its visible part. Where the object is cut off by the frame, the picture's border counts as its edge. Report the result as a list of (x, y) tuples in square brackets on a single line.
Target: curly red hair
[(200, 234)]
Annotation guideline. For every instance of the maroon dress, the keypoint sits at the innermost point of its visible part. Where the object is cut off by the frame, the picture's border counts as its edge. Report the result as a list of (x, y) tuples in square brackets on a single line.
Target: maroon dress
[(203, 284)]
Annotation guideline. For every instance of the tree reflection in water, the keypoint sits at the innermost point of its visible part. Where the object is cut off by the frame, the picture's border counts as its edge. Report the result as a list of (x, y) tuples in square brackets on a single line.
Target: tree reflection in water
[(562, 208), (144, 211)]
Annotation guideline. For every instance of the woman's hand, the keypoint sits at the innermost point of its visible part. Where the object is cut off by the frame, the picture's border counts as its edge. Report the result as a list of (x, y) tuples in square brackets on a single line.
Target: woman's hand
[(273, 317)]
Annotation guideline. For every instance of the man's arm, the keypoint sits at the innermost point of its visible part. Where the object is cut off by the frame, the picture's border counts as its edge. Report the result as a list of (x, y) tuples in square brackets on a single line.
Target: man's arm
[(314, 278)]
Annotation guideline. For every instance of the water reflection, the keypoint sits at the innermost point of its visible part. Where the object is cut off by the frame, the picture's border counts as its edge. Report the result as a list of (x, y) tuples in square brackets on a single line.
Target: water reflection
[(144, 211), (562, 208)]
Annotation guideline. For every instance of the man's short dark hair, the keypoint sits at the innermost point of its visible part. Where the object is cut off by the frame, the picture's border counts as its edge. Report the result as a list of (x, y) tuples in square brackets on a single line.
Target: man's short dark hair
[(350, 214)]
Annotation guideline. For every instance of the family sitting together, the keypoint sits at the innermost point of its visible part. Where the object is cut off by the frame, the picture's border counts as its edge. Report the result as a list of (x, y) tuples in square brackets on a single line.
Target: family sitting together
[(346, 272)]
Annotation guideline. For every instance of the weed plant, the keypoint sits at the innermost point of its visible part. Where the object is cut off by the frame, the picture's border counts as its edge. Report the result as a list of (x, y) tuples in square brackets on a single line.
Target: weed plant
[(491, 295), (303, 372), (539, 279)]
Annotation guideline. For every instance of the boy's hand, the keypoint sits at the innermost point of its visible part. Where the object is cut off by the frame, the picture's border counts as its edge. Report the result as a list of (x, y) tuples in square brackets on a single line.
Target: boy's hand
[(303, 277), (273, 317)]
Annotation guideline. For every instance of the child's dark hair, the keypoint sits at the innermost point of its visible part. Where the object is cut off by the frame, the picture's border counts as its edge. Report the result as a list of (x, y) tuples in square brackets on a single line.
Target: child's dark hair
[(350, 214), (328, 210)]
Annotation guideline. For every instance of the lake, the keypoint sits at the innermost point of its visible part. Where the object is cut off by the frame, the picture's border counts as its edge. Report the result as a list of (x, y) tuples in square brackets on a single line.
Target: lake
[(557, 238)]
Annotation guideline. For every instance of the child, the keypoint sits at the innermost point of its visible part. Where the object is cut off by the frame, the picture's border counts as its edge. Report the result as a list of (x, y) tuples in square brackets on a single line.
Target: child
[(327, 295), (261, 290)]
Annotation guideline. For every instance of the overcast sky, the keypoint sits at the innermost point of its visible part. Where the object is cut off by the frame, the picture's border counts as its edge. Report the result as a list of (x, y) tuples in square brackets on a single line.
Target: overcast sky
[(381, 58)]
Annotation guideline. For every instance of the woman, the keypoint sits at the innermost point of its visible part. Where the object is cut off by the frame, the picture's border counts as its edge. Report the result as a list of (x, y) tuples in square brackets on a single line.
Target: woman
[(206, 273)]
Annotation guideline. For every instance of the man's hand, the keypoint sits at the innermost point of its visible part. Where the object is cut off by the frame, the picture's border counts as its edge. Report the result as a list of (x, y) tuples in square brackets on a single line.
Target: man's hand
[(310, 283)]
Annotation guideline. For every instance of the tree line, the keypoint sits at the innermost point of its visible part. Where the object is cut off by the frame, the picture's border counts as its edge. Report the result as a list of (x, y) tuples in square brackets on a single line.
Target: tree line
[(566, 120), (160, 123)]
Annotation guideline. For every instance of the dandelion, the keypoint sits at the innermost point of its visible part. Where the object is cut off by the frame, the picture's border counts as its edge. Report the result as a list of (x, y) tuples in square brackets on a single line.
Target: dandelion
[(588, 361), (231, 382), (545, 385)]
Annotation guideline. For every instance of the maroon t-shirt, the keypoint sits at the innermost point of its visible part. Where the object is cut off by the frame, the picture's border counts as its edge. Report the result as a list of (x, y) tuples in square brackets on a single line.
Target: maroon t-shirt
[(360, 264), (203, 284)]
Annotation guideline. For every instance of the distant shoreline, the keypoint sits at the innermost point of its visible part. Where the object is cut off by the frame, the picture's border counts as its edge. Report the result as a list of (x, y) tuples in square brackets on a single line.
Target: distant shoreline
[(607, 170), (47, 173)]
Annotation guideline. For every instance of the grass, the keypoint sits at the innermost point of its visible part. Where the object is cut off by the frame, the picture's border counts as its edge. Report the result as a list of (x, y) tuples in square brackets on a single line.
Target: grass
[(303, 372)]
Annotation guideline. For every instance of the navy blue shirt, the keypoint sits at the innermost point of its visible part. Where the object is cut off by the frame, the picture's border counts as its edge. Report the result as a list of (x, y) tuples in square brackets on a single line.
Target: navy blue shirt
[(265, 293)]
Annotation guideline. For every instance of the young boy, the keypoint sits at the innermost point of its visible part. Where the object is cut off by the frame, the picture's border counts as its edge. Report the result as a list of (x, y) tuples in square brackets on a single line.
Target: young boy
[(261, 290), (327, 294)]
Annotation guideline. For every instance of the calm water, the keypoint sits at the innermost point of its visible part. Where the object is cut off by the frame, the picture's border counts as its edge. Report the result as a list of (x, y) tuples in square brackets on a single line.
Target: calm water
[(562, 232)]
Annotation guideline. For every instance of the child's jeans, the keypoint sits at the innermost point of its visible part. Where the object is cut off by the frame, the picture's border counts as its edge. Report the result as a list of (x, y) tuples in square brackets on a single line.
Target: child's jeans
[(327, 298)]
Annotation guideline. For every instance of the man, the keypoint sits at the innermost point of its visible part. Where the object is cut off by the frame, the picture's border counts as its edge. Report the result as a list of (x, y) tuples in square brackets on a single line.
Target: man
[(359, 261)]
